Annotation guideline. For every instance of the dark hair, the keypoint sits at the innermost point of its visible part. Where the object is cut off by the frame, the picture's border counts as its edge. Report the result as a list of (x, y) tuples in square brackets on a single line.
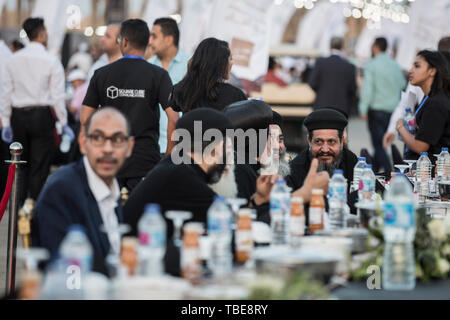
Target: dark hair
[(208, 66), (272, 63), (169, 27), (340, 134), (336, 43), (136, 32), (381, 43), (32, 27), (17, 44), (444, 44), (440, 62), (107, 109)]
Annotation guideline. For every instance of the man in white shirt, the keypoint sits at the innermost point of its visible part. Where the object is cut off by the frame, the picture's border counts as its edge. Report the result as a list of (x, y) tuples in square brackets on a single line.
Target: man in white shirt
[(33, 84), (87, 192), (110, 47), (5, 55)]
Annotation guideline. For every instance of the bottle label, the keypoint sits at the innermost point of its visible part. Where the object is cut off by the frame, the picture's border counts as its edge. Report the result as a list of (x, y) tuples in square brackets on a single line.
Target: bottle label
[(368, 185), (297, 226), (339, 193), (244, 240), (213, 224), (190, 262), (154, 239), (399, 215), (143, 238), (316, 215)]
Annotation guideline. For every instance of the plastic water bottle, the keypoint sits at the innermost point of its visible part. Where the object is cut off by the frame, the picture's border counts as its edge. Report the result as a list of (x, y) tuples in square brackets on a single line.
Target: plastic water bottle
[(357, 173), (367, 185), (76, 250), (152, 241), (423, 175), (280, 206), (443, 164), (410, 120), (220, 235), (399, 231), (337, 199), (64, 147)]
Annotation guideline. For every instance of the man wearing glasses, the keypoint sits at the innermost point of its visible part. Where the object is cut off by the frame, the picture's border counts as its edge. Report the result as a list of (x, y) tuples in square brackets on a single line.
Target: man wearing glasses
[(87, 192)]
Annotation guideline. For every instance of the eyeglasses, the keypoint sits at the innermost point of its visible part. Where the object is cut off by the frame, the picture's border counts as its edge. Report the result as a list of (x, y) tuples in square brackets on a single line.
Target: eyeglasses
[(118, 140)]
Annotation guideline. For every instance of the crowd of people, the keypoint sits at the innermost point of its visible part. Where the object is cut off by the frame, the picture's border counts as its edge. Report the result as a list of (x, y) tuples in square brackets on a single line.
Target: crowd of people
[(130, 107)]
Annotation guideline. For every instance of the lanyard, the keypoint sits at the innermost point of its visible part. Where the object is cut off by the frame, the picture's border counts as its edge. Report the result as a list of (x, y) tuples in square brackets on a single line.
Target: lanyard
[(420, 106), (130, 56)]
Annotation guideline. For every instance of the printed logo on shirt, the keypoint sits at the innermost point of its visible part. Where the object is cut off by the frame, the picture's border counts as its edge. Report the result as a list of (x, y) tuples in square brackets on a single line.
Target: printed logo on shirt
[(113, 92)]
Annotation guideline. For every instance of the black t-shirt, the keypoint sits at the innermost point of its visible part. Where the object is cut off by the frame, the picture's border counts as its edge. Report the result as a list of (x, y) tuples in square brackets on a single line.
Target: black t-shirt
[(433, 125), (227, 94), (135, 87)]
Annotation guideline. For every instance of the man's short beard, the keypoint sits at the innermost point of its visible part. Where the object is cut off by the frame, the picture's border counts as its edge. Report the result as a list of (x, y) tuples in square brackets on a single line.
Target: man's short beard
[(329, 167)]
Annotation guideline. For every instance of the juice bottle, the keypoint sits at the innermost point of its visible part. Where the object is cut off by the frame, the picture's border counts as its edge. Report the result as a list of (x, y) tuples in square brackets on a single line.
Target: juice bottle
[(129, 255), (244, 240), (191, 267), (316, 210), (296, 222)]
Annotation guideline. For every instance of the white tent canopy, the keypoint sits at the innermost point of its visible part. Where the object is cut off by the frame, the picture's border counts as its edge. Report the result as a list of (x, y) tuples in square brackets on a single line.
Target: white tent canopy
[(319, 25)]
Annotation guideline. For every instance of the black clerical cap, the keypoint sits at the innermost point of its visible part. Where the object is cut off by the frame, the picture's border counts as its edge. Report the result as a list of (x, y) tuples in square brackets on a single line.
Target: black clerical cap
[(249, 114), (276, 119), (325, 118), (210, 119)]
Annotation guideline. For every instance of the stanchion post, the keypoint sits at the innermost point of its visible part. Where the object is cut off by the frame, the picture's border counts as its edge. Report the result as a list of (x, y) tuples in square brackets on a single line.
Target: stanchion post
[(16, 150)]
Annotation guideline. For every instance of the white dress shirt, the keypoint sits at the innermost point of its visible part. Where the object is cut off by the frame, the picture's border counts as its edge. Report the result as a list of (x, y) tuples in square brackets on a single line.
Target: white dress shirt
[(33, 77), (410, 98), (101, 62), (5, 55), (107, 198)]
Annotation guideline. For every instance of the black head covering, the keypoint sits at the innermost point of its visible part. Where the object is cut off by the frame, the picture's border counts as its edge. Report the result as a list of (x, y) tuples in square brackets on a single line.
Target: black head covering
[(325, 118), (210, 119), (276, 119), (249, 114)]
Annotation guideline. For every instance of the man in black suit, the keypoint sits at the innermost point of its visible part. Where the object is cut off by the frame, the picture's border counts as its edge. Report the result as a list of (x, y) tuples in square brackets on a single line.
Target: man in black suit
[(86, 192), (334, 80)]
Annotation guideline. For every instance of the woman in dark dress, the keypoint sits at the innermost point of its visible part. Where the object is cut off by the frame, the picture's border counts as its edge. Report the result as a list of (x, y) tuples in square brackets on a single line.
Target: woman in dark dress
[(204, 83), (431, 72)]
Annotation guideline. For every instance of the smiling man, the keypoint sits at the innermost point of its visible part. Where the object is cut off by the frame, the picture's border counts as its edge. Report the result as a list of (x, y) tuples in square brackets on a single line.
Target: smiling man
[(325, 138), (86, 192)]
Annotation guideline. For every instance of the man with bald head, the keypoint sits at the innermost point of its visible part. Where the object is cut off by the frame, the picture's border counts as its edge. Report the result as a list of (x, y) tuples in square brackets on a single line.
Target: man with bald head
[(86, 192)]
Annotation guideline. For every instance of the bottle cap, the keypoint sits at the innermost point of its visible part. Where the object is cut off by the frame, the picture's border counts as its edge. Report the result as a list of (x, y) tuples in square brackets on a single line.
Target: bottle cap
[(77, 227), (280, 181), (152, 207), (338, 171), (444, 149), (368, 166), (196, 227), (408, 109), (424, 153), (297, 200), (362, 159), (246, 212), (219, 198), (317, 191)]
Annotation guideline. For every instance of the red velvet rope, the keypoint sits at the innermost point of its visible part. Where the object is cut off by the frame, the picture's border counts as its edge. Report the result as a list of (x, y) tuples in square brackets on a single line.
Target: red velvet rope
[(7, 193)]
